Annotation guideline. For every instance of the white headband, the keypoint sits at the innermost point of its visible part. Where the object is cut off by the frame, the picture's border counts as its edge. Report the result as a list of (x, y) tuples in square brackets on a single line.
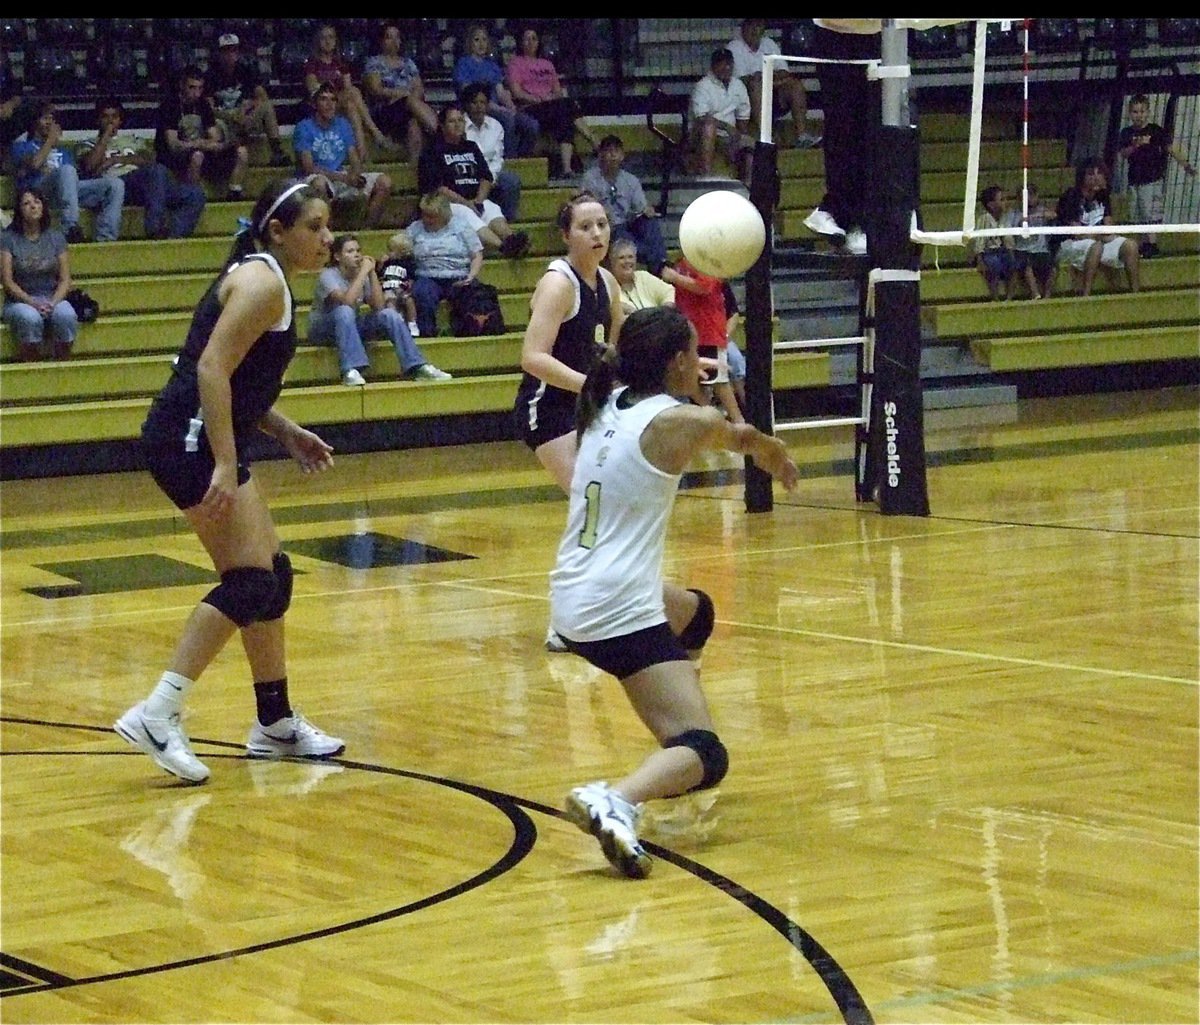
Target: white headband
[(275, 206)]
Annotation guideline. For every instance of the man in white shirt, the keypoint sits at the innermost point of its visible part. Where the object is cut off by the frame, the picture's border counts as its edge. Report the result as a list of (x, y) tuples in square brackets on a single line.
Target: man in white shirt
[(488, 134), (720, 108), (748, 49)]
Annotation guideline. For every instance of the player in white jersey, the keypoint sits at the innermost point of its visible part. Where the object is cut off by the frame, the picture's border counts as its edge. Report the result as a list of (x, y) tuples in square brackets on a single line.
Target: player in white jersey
[(609, 601)]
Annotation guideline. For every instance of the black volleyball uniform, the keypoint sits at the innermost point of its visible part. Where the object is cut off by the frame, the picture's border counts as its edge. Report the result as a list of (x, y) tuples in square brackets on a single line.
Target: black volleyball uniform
[(543, 411), (174, 439)]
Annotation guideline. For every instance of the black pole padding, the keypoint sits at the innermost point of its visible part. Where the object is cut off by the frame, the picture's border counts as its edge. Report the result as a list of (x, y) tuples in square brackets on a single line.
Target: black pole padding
[(764, 194)]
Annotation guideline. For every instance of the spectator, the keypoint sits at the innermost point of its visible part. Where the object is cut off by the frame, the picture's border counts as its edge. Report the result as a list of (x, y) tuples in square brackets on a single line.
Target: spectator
[(537, 90), (1146, 146), (720, 109), (447, 254), (737, 361), (42, 163), (240, 100), (477, 66), (489, 135), (749, 47), (1088, 203), (327, 65), (171, 209), (639, 288), (36, 275), (454, 167), (330, 159), (396, 95), (701, 298), (188, 140), (629, 212), (852, 106), (1032, 259), (343, 288), (396, 273), (994, 256)]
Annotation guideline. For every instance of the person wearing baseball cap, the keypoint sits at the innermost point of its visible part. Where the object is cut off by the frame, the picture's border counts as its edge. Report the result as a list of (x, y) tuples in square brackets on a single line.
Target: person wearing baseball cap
[(240, 99)]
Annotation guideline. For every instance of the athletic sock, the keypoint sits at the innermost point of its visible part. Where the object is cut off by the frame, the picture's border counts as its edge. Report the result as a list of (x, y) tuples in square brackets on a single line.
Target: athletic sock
[(167, 697), (271, 696)]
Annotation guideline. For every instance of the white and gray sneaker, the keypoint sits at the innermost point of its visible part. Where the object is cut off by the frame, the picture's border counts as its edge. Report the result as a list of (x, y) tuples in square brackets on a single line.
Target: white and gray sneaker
[(606, 815), (821, 222), (554, 642), (164, 740), (856, 242), (292, 737)]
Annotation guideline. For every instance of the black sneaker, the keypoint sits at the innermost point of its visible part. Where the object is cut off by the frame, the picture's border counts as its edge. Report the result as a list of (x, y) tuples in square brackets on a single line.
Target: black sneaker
[(75, 234), (1149, 250), (234, 196)]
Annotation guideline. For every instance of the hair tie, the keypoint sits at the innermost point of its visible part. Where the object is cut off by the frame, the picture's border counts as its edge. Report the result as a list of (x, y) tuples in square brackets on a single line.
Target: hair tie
[(244, 224)]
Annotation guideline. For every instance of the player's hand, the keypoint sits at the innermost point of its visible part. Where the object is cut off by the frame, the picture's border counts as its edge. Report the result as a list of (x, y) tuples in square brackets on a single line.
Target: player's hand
[(218, 499), (311, 452)]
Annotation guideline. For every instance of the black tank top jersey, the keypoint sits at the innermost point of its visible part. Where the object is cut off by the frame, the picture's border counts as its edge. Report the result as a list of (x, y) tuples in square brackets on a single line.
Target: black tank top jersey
[(578, 344), (175, 415)]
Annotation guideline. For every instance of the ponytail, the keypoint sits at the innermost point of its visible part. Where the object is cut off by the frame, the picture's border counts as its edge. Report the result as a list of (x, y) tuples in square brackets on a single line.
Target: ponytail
[(282, 200), (595, 391)]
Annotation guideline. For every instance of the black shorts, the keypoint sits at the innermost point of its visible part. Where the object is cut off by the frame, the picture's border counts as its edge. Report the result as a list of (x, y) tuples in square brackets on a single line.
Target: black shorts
[(631, 653), (185, 476), (543, 418)]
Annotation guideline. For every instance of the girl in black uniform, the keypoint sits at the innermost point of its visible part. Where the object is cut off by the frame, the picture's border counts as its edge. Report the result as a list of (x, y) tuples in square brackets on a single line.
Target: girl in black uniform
[(575, 313), (222, 389)]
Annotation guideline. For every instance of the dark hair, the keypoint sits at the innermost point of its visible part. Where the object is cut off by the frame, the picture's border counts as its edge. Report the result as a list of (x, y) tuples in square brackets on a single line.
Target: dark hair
[(1141, 98), (992, 192), (566, 212), (19, 221), (444, 113), (34, 112), (252, 236), (1089, 164), (191, 71), (720, 54), (611, 142), (382, 31), (471, 90), (105, 102), (339, 243), (324, 87), (650, 338)]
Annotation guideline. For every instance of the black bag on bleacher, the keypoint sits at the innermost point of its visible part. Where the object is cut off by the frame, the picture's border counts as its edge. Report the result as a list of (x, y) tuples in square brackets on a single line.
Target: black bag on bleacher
[(475, 310)]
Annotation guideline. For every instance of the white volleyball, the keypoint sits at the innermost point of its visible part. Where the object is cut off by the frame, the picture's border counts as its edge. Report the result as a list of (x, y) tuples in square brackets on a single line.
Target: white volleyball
[(721, 233)]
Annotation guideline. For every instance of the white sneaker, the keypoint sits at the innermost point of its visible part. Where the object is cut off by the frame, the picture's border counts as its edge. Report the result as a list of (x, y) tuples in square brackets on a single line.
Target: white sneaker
[(554, 642), (822, 223), (806, 140), (292, 737), (353, 379), (856, 242), (164, 740), (413, 329), (613, 821), (428, 372)]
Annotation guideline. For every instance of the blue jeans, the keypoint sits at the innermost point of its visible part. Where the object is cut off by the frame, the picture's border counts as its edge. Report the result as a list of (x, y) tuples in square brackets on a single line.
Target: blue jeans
[(521, 131), (65, 192), (154, 187), (647, 233), (29, 326), (506, 194), (427, 293), (347, 329)]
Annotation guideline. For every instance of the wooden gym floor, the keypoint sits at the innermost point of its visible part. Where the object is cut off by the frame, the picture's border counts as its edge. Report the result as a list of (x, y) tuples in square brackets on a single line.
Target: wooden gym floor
[(964, 749)]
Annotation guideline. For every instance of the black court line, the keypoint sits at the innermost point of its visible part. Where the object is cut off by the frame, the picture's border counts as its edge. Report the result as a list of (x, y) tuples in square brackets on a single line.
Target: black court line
[(841, 988)]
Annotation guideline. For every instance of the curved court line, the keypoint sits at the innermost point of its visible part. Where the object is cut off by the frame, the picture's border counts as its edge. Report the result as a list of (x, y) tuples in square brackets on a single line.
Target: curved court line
[(845, 994)]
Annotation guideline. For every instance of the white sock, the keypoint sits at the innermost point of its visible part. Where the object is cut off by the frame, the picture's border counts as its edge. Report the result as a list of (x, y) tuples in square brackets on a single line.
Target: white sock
[(167, 697)]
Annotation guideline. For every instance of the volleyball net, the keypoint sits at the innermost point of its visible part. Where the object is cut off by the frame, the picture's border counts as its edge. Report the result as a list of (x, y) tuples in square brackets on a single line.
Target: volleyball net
[(889, 429)]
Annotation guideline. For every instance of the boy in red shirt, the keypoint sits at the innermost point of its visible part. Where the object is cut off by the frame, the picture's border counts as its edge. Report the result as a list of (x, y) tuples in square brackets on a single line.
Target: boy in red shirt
[(701, 298)]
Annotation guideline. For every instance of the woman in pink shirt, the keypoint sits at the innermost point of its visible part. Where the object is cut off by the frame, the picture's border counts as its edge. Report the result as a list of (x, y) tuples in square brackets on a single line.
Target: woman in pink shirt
[(535, 86)]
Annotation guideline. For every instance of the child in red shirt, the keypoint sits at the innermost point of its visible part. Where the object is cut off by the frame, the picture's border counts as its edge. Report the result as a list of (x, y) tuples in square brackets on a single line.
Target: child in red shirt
[(701, 298)]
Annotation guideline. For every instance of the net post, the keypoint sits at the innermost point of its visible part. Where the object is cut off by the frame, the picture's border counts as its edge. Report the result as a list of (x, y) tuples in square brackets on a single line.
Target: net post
[(764, 194)]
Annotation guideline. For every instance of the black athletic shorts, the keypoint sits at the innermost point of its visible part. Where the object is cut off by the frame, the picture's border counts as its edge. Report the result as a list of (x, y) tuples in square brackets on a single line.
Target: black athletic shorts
[(630, 653), (185, 476), (545, 418)]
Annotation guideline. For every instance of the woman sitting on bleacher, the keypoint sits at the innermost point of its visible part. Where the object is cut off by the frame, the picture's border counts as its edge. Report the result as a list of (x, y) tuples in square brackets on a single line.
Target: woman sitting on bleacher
[(448, 255), (36, 276), (1088, 204)]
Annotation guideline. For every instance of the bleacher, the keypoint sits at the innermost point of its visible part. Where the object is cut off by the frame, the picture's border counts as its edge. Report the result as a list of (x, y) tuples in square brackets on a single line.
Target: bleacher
[(82, 414)]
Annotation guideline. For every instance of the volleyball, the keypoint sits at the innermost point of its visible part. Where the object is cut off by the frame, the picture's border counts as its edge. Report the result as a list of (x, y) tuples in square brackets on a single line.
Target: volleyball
[(721, 233)]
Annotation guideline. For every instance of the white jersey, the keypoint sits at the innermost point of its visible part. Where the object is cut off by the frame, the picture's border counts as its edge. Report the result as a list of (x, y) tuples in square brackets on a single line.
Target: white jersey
[(607, 580)]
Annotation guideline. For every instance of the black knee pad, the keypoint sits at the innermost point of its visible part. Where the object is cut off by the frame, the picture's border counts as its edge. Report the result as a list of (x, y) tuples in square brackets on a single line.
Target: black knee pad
[(714, 759), (696, 634), (282, 598), (243, 593)]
